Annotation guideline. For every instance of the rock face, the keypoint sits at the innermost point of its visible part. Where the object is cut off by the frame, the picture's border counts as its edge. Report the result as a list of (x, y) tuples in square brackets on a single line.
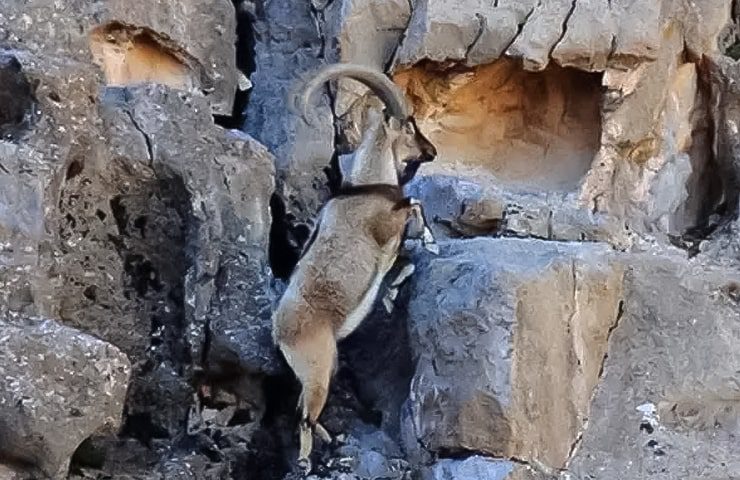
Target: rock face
[(289, 48), (656, 405), (528, 306), (59, 386), (580, 321), (187, 45)]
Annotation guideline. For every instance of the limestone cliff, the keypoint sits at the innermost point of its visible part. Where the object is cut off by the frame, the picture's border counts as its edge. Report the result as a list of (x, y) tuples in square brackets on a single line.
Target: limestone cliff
[(581, 321)]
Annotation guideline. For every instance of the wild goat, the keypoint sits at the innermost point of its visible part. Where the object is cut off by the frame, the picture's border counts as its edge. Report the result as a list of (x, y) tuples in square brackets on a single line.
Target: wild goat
[(354, 244)]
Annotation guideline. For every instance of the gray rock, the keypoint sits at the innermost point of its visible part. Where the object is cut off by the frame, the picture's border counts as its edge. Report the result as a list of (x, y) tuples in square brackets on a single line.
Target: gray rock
[(466, 206), (484, 315), (483, 468), (194, 40), (667, 406), (541, 32), (477, 467), (288, 47), (371, 454), (35, 153), (227, 288), (58, 386), (653, 182), (8, 473), (589, 35), (439, 33), (587, 40)]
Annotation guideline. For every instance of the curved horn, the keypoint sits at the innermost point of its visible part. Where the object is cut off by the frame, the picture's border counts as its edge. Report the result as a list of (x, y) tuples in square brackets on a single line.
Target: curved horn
[(378, 82)]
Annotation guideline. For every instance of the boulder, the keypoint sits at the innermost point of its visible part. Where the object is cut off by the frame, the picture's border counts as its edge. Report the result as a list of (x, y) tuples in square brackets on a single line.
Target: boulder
[(226, 181), (483, 316), (58, 386), (188, 45)]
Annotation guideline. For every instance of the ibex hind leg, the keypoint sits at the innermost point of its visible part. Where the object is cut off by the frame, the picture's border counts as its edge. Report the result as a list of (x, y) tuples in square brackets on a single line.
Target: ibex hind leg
[(394, 285), (312, 358)]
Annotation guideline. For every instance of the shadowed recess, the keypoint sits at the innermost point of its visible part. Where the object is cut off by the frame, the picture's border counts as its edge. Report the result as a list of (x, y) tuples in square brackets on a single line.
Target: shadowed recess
[(17, 103), (535, 130), (129, 55)]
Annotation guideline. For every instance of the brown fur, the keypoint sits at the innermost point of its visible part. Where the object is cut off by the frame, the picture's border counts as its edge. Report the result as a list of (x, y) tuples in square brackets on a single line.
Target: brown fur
[(358, 239)]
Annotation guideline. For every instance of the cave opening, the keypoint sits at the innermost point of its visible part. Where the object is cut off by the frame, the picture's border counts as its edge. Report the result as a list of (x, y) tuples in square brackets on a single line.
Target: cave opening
[(534, 131), (131, 55)]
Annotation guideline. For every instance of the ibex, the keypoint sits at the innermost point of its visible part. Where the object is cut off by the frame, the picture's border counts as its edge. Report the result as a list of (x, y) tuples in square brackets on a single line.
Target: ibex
[(353, 245)]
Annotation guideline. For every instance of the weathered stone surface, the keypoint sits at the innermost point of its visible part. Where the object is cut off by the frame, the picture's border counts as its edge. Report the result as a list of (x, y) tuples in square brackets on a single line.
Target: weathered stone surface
[(541, 32), (132, 217), (366, 31), (58, 386), (472, 467), (668, 406), (467, 207), (37, 148), (288, 47), (480, 468), (149, 39), (228, 181), (8, 473), (590, 35), (589, 32), (482, 317), (654, 147), (439, 33), (703, 23)]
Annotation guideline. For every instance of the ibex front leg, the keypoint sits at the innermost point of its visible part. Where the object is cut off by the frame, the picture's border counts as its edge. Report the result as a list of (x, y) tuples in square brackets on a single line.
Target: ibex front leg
[(416, 229)]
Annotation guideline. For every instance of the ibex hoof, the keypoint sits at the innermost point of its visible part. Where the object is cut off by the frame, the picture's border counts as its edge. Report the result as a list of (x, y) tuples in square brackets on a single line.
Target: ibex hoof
[(432, 248), (322, 433), (388, 304), (389, 299), (304, 465)]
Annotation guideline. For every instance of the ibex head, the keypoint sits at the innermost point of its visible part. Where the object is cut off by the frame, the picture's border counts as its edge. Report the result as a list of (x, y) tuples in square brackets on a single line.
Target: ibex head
[(393, 147)]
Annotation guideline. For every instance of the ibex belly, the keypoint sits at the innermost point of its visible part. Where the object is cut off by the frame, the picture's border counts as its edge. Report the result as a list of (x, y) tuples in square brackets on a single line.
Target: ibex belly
[(362, 310)]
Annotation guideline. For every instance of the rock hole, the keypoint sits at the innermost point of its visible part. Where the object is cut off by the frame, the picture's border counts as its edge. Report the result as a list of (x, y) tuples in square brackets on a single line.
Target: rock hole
[(286, 239), (646, 427), (18, 112), (74, 169), (246, 65), (90, 292), (140, 224), (130, 55), (87, 455), (119, 214), (533, 130), (141, 427), (241, 417)]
